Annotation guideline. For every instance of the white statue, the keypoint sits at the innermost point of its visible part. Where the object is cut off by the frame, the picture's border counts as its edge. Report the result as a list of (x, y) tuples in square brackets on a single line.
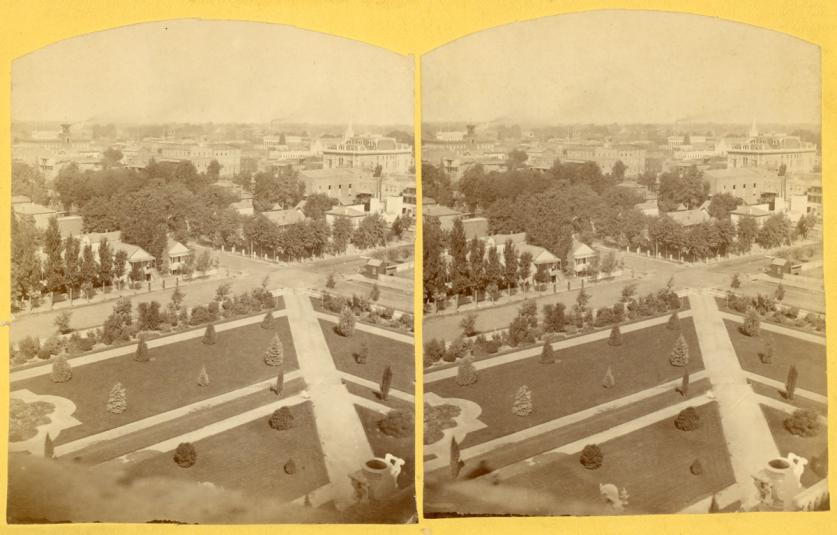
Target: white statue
[(798, 465), (395, 464), (613, 496)]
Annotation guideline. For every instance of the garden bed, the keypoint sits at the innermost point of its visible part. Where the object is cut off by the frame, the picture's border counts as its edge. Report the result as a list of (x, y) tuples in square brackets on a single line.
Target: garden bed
[(651, 463), (251, 458), (789, 324), (382, 352), (387, 324), (808, 448), (574, 382), (169, 380), (808, 357)]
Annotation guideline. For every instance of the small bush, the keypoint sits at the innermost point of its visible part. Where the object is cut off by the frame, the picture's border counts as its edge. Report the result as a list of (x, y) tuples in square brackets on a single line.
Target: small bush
[(803, 423), (117, 400), (397, 423), (346, 326), (282, 419), (185, 455), (141, 353), (434, 351), (290, 467), (591, 457), (615, 338), (61, 372), (467, 373), (547, 353), (673, 322), (522, 402), (209, 334), (608, 381), (274, 355), (752, 323), (363, 352), (687, 420), (267, 322), (679, 353), (696, 468), (200, 314)]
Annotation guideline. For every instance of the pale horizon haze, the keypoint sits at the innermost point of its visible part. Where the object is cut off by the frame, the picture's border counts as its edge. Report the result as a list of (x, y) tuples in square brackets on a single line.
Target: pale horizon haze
[(212, 71), (623, 67)]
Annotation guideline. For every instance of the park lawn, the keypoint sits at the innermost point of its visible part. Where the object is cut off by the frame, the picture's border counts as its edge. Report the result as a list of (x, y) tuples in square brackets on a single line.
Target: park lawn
[(382, 352), (807, 447), (250, 458), (808, 357), (167, 382), (574, 382), (107, 450), (373, 395), (779, 394), (722, 306), (382, 444), (651, 463)]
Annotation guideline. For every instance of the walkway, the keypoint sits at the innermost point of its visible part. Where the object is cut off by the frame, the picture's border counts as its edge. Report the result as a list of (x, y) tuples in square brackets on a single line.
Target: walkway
[(345, 445), (482, 364), (749, 440), (219, 426), (145, 423), (443, 458), (365, 327), (99, 356), (767, 326)]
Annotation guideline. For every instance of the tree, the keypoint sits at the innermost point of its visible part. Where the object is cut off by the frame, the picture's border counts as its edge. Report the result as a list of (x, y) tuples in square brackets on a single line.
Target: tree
[(120, 259), (522, 402), (54, 266), (141, 353), (687, 420), (370, 232), (722, 204), (346, 325), (547, 353), (673, 323), (752, 322), (608, 381), (790, 382), (267, 321), (680, 353), (467, 373), (581, 301), (61, 371), (105, 273), (341, 234), (72, 272), (117, 400), (274, 355), (203, 377), (386, 383), (49, 447), (628, 292), (363, 353), (683, 389), (203, 262), (510, 263), (780, 292), (209, 335), (766, 354), (185, 455), (591, 457), (775, 231), (805, 224), (713, 505), (456, 462), (62, 321), (746, 233), (375, 294), (615, 338), (469, 324), (736, 282), (282, 419), (277, 387)]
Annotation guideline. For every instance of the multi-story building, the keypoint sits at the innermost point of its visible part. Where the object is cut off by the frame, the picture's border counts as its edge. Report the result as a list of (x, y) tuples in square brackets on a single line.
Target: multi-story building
[(772, 152), (749, 184), (200, 155), (341, 183), (366, 152), (471, 143), (606, 156)]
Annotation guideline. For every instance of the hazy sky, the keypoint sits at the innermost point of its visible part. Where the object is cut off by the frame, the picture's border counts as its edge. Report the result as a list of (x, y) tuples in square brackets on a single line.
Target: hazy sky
[(621, 66), (201, 71)]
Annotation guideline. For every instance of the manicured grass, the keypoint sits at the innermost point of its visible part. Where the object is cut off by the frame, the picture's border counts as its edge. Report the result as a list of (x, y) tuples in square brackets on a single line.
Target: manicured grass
[(383, 444), (651, 463), (167, 382), (251, 458), (574, 381), (808, 357), (382, 352), (372, 395), (779, 394), (809, 447)]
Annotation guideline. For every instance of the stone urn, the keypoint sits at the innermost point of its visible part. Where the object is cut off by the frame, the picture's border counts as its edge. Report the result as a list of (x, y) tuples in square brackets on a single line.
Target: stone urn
[(777, 485), (377, 479)]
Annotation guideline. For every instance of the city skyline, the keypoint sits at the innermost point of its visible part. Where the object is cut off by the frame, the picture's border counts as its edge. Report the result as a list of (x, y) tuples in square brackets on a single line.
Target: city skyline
[(224, 76), (706, 72)]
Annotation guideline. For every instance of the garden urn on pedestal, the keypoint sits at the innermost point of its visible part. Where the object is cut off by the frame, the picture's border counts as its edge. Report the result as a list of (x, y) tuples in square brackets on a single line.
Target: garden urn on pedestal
[(777, 484), (378, 479)]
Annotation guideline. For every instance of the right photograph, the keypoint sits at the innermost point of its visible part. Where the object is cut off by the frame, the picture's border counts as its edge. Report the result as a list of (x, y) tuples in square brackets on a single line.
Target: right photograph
[(624, 307)]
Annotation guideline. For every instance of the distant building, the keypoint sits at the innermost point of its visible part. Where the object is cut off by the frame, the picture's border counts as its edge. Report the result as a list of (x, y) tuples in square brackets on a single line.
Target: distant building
[(38, 214), (772, 152), (582, 256), (284, 218), (70, 225), (450, 135), (759, 214), (366, 152), (343, 183), (445, 215), (471, 143), (475, 227), (354, 214), (200, 154), (749, 184), (542, 259), (690, 218), (606, 156), (648, 208)]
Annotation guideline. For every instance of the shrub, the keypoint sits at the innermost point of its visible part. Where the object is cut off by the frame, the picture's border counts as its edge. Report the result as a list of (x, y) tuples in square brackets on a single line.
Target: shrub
[(766, 353), (282, 419), (406, 321), (387, 313), (680, 353), (213, 309), (362, 353), (375, 294), (386, 383), (780, 292), (274, 355), (751, 323), (61, 371), (591, 457), (330, 282), (62, 321), (687, 420), (209, 335), (547, 353), (290, 467), (803, 423), (397, 423), (792, 312), (518, 330), (276, 388), (43, 354), (346, 326), (735, 283), (618, 312), (200, 314), (615, 338), (141, 353), (604, 316), (790, 382), (185, 455), (467, 373), (469, 324), (819, 464), (522, 402), (434, 351), (117, 400), (30, 346), (673, 322), (608, 381), (457, 349), (696, 468), (203, 377), (683, 389)]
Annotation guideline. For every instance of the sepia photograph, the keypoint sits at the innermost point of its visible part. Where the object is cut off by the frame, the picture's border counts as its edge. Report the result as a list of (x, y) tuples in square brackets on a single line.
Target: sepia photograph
[(624, 309), (212, 264)]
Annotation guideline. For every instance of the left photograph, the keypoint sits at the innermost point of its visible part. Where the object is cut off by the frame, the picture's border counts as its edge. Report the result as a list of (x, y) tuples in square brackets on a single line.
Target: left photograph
[(212, 267)]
